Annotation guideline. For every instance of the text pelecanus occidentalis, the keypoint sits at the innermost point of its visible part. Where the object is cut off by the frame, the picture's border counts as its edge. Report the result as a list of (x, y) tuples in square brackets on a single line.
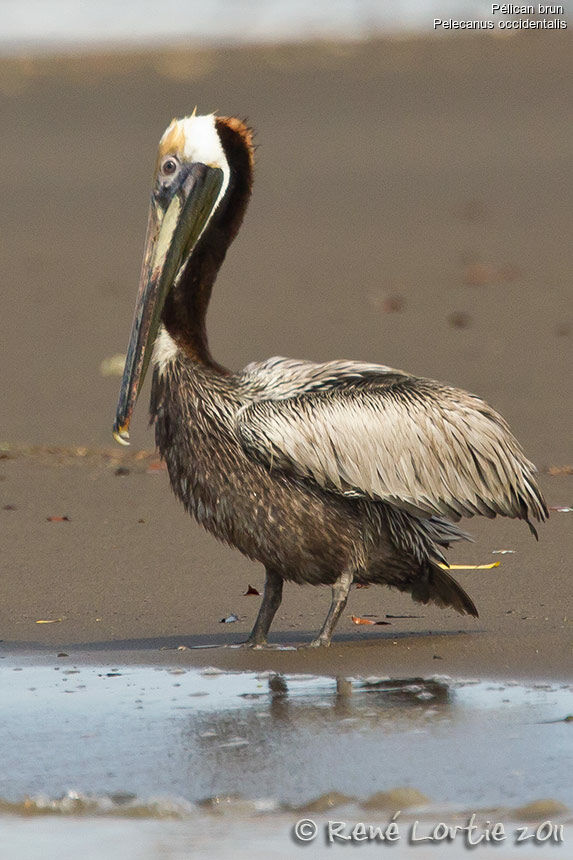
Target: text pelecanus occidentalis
[(325, 473)]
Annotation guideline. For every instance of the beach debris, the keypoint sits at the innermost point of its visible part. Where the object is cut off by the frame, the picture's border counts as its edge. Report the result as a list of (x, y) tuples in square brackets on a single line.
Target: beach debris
[(538, 810), (561, 509), (230, 619), (121, 471), (358, 620), (251, 590), (222, 801), (459, 319), (396, 798), (113, 365), (502, 551), (233, 743), (489, 566), (62, 654), (485, 274), (392, 305), (120, 798), (362, 585), (479, 274), (324, 802), (182, 648), (388, 304), (49, 620), (156, 466), (560, 470), (567, 719), (9, 508), (64, 519), (403, 616)]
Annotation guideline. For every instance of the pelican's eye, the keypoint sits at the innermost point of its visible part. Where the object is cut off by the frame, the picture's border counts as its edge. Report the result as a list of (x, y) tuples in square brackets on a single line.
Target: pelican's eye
[(169, 166)]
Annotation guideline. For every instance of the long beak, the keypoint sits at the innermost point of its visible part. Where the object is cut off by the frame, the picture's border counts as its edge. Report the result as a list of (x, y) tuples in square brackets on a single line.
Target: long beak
[(171, 237)]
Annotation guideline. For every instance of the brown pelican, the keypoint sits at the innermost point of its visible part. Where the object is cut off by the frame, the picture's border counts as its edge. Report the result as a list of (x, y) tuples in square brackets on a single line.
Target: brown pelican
[(325, 473)]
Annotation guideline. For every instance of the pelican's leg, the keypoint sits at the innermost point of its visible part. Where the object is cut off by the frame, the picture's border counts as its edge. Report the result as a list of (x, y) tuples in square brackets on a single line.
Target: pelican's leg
[(340, 591), (272, 597)]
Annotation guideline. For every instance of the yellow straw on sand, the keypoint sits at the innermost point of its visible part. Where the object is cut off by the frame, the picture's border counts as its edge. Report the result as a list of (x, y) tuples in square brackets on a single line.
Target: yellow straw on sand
[(470, 566)]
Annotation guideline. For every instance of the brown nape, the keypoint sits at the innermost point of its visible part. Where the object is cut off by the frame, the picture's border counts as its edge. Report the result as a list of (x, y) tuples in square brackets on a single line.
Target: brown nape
[(186, 305)]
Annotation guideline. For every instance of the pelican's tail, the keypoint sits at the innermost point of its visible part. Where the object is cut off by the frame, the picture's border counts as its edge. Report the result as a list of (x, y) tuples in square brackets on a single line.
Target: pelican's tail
[(437, 586)]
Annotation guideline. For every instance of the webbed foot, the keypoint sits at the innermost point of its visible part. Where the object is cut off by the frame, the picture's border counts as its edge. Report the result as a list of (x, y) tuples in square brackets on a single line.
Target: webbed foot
[(319, 642), (252, 644)]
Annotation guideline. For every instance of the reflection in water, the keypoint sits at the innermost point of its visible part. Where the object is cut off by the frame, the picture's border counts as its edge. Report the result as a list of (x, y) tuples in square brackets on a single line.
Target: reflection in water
[(280, 739), (365, 736)]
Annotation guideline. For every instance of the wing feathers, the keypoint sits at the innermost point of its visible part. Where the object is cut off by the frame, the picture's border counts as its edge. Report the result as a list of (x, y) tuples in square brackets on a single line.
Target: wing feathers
[(423, 447)]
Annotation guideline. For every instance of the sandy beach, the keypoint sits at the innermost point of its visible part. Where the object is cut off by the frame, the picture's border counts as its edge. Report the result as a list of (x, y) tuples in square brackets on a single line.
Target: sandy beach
[(412, 207)]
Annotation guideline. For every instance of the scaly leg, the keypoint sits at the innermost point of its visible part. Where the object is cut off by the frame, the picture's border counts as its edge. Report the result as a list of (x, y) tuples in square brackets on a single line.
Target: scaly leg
[(340, 591), (271, 601)]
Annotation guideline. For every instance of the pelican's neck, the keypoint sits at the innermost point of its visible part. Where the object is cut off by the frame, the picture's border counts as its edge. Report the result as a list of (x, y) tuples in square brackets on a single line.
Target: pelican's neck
[(185, 310)]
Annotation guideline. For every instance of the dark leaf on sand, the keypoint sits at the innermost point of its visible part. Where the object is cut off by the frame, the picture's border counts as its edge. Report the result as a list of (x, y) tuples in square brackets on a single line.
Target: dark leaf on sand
[(403, 616), (229, 619), (121, 471), (459, 319), (64, 519), (251, 590)]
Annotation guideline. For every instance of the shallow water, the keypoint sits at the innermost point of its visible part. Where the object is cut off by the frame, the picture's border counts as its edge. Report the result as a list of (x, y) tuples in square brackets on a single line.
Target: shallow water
[(183, 744)]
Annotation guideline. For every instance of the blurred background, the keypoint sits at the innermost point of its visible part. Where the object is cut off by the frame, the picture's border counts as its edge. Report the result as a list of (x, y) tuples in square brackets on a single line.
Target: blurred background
[(68, 24), (412, 203)]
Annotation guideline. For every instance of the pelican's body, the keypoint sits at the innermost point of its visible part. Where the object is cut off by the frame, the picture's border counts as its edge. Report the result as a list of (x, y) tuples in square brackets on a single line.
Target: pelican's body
[(325, 473)]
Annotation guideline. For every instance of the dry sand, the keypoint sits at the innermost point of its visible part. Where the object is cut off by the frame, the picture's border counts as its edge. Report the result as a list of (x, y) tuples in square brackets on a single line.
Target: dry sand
[(412, 206)]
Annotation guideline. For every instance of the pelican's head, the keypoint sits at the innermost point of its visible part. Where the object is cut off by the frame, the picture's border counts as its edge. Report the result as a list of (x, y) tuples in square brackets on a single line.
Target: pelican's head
[(191, 179)]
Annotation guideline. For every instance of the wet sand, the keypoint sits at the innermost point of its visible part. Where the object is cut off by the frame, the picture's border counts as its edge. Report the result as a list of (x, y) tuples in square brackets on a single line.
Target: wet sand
[(411, 207)]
